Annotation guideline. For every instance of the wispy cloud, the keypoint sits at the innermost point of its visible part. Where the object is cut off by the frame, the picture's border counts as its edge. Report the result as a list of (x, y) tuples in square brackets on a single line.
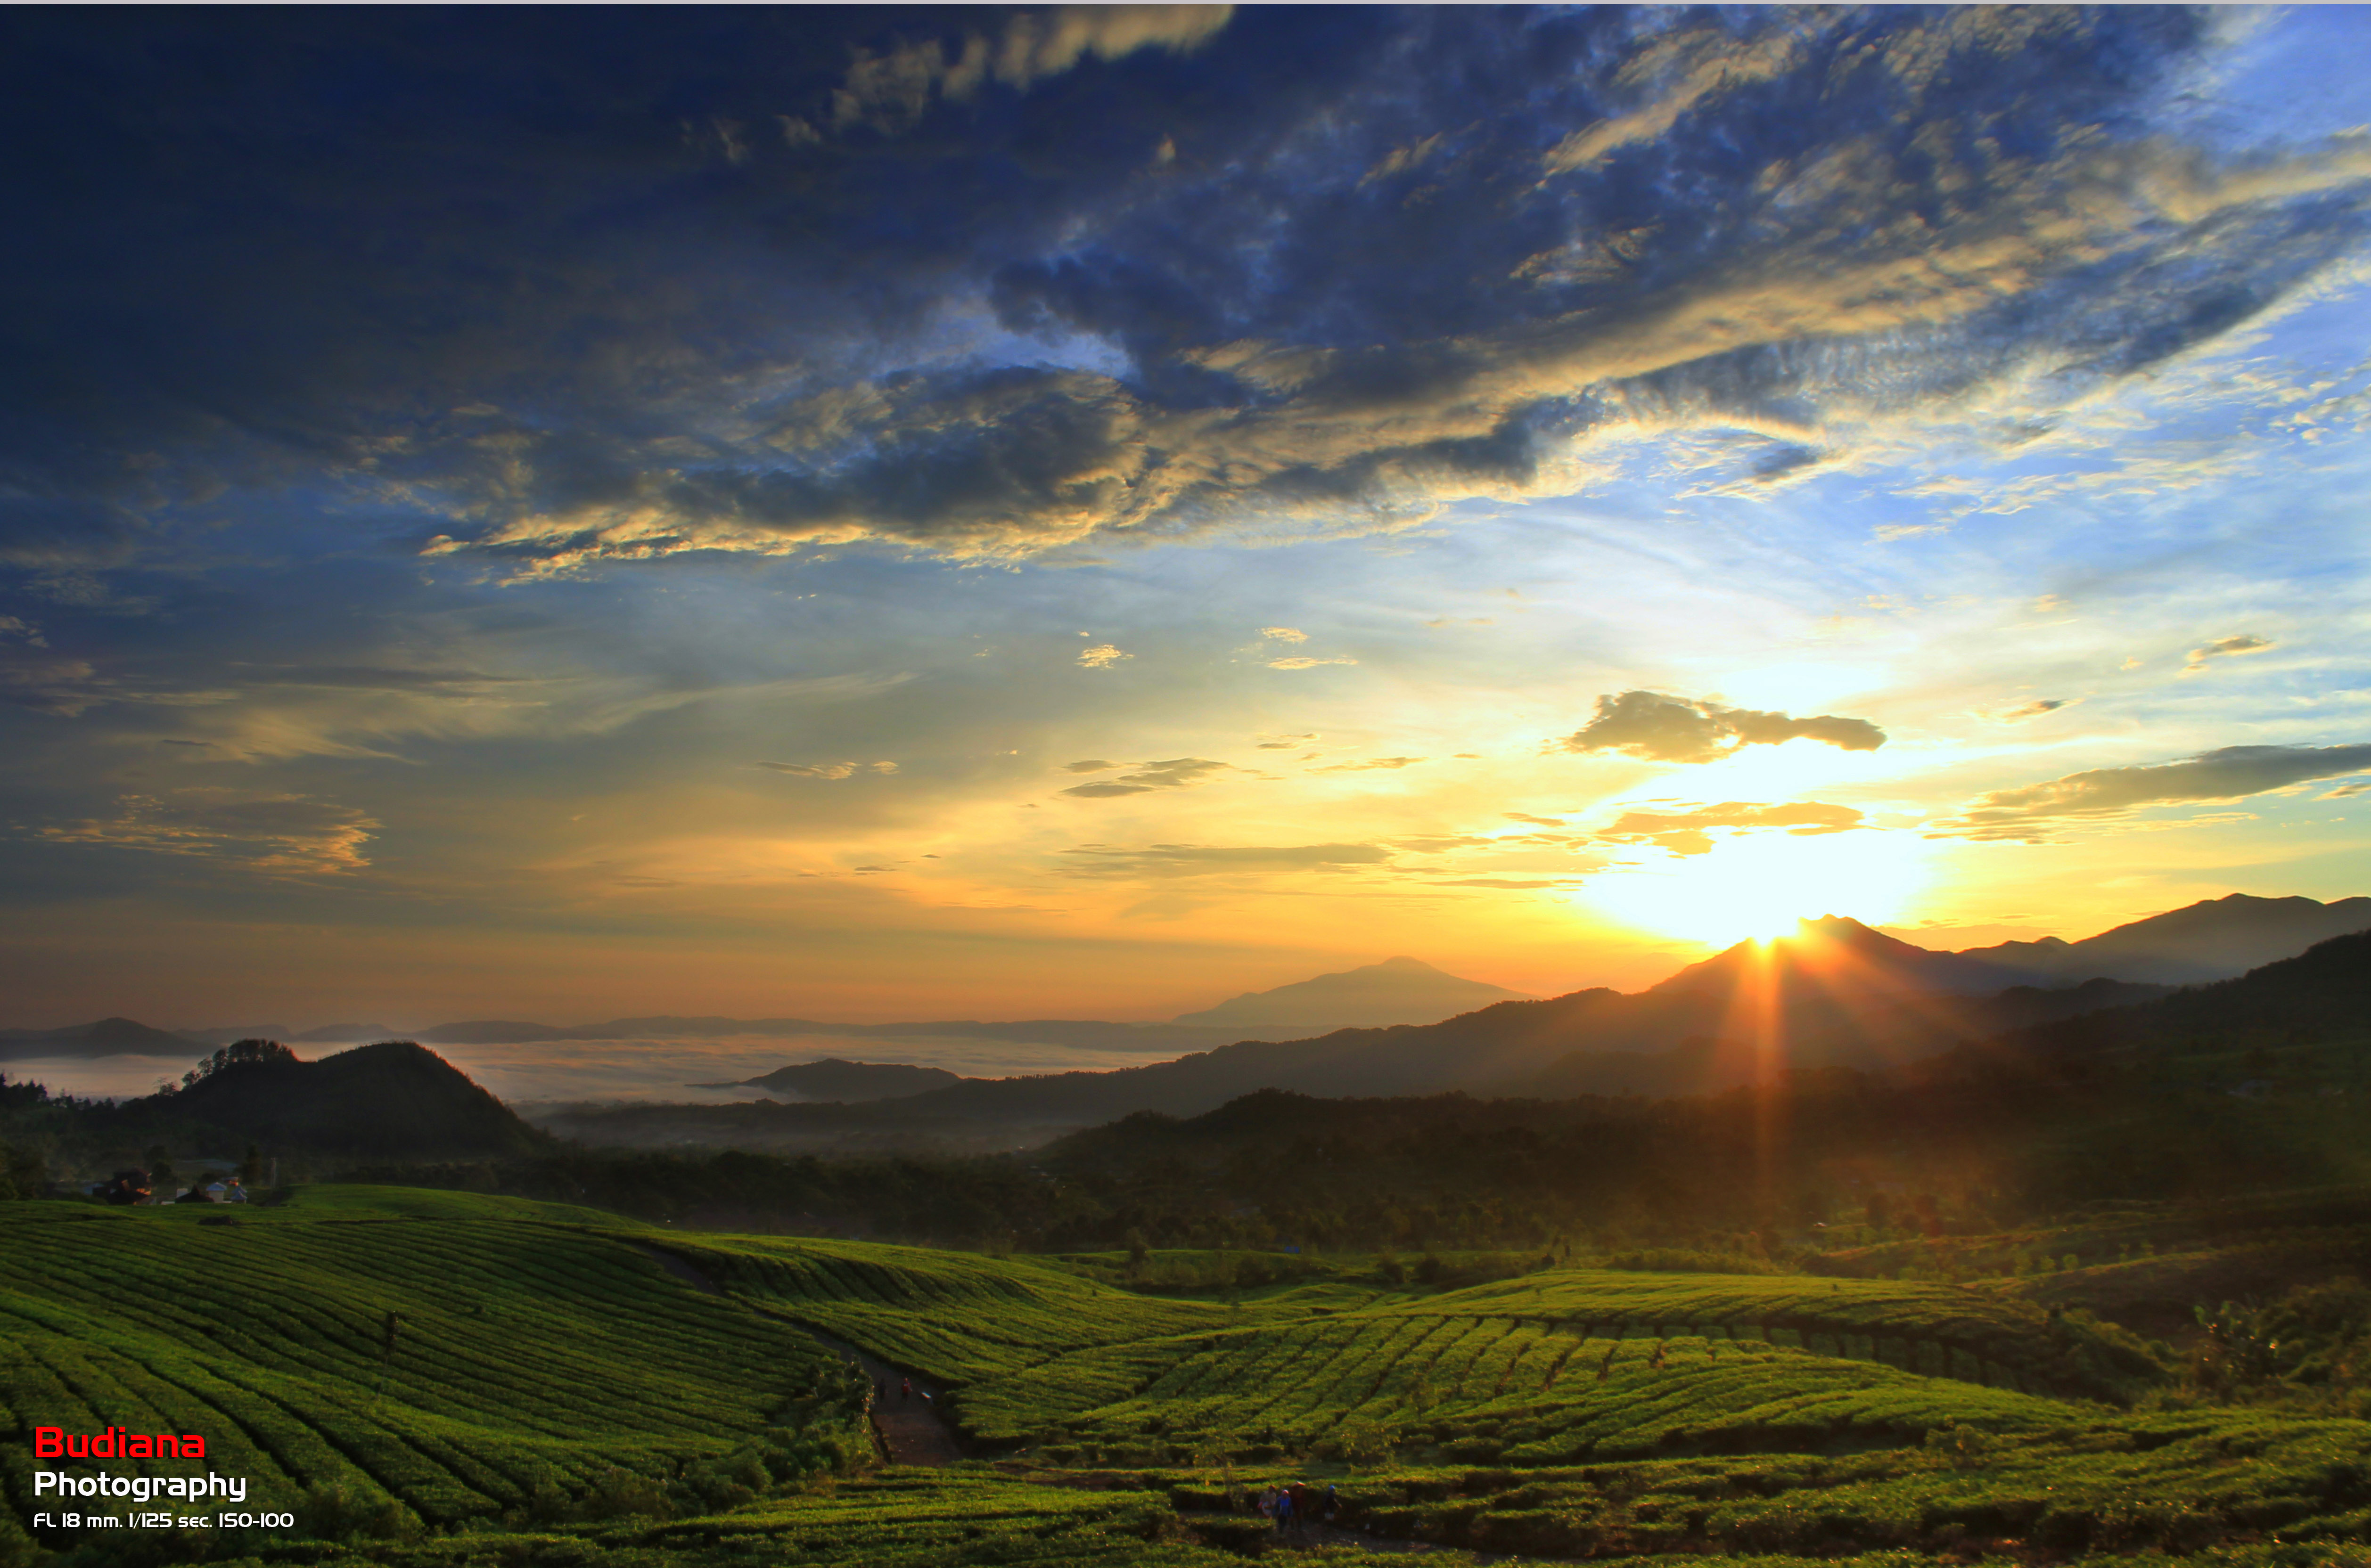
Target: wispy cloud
[(2021, 712), (827, 769), (1164, 860), (1177, 773), (1372, 765), (281, 835), (1102, 656), (1305, 662), (1689, 830), (891, 91), (2226, 648)]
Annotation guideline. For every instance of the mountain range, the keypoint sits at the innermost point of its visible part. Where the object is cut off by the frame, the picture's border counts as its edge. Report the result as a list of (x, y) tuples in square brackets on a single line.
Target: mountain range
[(1835, 993), (1838, 991), (2212, 940)]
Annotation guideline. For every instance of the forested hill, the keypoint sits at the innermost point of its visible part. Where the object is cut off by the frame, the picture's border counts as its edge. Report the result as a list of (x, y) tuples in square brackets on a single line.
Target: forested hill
[(393, 1100)]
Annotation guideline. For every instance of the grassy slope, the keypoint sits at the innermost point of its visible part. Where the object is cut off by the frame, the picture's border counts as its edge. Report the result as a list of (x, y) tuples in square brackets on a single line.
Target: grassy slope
[(957, 1316), (529, 1353)]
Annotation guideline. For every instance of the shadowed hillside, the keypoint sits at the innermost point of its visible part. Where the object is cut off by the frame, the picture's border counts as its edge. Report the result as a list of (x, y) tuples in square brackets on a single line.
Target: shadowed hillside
[(395, 1100)]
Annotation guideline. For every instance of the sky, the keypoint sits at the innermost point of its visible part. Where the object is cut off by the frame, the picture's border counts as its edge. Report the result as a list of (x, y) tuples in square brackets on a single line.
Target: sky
[(1000, 513)]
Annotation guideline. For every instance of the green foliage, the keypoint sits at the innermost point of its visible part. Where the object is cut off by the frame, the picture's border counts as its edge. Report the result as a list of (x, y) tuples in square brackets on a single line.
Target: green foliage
[(900, 1519), (333, 1511)]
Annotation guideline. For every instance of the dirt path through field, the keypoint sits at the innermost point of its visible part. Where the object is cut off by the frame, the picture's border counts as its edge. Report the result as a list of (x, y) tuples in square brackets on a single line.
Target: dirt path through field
[(911, 1430), (910, 1427)]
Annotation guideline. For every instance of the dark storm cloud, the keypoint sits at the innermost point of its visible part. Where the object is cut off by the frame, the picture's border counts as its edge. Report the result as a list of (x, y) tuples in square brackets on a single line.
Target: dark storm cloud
[(560, 286), (1673, 729), (2033, 811)]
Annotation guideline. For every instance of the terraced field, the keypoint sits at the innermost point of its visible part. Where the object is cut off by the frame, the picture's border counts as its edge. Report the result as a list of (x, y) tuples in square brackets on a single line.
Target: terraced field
[(1563, 1365), (2245, 1483), (1489, 1388), (959, 1318), (461, 1366), (435, 1380)]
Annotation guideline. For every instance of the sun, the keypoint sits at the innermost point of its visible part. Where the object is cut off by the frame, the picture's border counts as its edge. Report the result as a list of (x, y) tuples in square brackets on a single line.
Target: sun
[(1758, 885)]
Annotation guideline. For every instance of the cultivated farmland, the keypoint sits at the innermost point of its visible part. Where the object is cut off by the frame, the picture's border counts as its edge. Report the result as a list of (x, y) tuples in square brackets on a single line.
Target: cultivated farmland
[(438, 1380), (457, 1366)]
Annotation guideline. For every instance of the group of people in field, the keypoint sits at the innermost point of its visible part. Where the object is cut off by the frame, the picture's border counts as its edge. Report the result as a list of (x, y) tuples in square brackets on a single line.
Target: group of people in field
[(1297, 1507)]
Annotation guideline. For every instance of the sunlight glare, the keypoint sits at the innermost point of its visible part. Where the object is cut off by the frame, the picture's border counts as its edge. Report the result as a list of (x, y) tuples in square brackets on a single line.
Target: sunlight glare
[(1758, 885)]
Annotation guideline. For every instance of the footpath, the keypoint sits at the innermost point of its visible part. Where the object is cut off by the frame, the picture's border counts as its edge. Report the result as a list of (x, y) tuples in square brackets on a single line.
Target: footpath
[(907, 1426)]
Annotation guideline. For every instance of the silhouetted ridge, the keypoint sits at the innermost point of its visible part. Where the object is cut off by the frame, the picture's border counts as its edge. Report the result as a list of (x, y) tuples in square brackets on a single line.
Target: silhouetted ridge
[(2215, 939), (2327, 986), (392, 1099), (833, 1079)]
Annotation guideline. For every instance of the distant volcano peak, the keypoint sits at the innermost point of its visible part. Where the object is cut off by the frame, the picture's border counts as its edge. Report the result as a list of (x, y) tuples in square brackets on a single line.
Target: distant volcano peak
[(1397, 991)]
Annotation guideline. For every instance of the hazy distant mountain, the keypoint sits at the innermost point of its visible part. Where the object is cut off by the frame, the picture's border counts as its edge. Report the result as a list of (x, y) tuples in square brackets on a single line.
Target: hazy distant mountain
[(343, 1033), (2215, 939), (1375, 996), (224, 1033), (1088, 1034), (833, 1079), (107, 1037)]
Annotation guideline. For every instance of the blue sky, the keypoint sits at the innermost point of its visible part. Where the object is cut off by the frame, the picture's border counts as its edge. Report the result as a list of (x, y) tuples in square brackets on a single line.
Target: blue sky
[(894, 512)]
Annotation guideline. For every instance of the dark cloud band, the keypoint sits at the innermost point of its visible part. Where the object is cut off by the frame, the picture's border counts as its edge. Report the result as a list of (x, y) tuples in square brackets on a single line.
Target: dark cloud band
[(576, 287)]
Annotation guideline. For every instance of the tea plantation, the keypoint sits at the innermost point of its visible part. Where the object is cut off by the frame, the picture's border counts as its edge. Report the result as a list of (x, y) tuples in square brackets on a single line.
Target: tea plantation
[(430, 1379)]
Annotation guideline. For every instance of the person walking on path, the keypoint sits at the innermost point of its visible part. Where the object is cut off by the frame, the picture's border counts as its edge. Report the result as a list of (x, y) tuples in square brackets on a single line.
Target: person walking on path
[(905, 1387)]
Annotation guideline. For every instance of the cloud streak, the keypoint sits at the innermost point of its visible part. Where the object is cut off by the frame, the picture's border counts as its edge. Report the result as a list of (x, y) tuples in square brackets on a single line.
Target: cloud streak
[(1168, 860), (1177, 773), (827, 769), (1670, 728), (275, 834), (1689, 831), (2034, 813), (2226, 648)]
